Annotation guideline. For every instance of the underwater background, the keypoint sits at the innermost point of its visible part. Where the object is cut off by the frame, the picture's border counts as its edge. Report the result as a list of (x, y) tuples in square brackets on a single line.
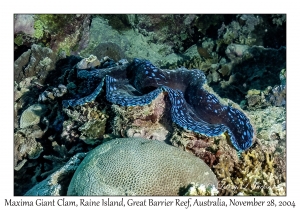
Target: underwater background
[(59, 58)]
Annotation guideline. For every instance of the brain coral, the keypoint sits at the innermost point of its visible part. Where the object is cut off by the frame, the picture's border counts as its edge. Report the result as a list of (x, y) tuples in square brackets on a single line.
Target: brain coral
[(136, 166)]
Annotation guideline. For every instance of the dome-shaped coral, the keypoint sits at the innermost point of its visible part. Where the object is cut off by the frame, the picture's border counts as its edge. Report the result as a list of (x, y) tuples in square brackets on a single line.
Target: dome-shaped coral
[(136, 166)]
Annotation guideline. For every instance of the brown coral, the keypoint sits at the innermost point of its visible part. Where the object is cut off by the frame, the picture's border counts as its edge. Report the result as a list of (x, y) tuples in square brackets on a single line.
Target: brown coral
[(26, 146), (37, 61), (254, 174), (86, 123)]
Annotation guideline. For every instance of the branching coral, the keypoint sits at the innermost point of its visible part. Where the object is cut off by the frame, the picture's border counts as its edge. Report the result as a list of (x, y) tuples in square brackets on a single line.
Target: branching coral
[(201, 189), (254, 174)]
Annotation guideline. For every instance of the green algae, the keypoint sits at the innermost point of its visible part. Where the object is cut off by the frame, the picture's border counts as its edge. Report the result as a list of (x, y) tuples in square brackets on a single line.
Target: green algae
[(53, 22), (19, 40), (60, 26), (38, 29)]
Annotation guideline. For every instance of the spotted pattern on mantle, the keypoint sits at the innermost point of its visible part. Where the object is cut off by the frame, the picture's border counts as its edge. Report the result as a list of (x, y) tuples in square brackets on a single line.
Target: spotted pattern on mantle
[(193, 108)]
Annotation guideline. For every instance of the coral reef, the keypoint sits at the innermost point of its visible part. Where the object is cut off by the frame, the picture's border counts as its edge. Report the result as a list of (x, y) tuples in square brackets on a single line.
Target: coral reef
[(162, 38), (23, 31), (27, 149), (176, 31), (240, 75), (208, 149), (199, 189), (218, 70), (87, 124), (242, 31), (278, 19), (90, 62), (249, 68), (129, 42), (275, 96), (24, 96), (262, 169), (67, 33), (249, 29), (271, 126), (26, 146), (37, 61), (254, 174), (150, 169), (278, 96), (37, 128), (32, 115)]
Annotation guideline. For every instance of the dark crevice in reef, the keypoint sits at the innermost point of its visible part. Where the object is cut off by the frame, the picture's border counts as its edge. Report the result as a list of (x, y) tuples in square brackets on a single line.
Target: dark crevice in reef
[(274, 36), (257, 73), (20, 50)]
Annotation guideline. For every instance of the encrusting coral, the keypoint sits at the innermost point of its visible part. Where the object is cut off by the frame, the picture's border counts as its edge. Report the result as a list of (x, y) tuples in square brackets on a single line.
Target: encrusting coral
[(148, 122)]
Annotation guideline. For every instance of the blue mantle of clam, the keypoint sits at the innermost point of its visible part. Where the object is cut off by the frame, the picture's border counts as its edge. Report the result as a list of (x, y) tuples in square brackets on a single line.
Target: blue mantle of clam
[(192, 107)]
